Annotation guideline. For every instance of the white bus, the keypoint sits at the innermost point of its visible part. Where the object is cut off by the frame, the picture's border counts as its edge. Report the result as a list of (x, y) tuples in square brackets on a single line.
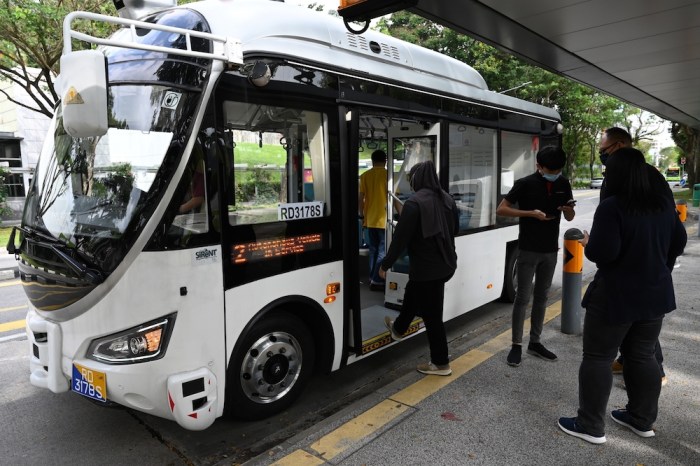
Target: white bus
[(190, 246)]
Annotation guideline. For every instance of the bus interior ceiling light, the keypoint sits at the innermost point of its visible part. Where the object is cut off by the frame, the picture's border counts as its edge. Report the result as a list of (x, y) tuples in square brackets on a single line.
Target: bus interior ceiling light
[(260, 74)]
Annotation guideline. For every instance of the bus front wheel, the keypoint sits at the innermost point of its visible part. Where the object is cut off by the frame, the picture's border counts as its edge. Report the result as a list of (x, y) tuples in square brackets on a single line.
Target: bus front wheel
[(270, 368)]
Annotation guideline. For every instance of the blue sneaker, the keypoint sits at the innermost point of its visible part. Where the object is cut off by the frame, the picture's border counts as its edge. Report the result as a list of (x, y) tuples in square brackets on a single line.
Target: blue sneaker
[(568, 425), (624, 419)]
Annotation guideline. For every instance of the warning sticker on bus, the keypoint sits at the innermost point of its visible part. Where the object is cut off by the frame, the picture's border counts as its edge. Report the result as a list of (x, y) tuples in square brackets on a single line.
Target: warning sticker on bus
[(300, 210)]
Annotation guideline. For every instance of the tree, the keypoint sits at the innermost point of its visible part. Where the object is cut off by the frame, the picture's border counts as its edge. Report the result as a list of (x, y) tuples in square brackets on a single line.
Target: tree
[(584, 111), (31, 43), (31, 37), (669, 156), (688, 141), (3, 192)]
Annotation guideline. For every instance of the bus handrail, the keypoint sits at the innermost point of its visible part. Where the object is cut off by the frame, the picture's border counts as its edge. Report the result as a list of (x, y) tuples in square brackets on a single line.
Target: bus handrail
[(226, 49)]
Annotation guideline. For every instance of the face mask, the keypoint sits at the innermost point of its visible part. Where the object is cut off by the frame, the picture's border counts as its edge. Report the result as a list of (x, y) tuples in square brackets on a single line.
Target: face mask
[(549, 177), (604, 157)]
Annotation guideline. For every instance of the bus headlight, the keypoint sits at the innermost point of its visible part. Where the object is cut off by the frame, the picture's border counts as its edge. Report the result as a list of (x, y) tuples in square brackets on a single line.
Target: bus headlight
[(147, 342)]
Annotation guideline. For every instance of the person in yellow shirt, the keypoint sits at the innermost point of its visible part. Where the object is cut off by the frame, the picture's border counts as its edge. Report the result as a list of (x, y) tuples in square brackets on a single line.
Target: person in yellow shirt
[(371, 203)]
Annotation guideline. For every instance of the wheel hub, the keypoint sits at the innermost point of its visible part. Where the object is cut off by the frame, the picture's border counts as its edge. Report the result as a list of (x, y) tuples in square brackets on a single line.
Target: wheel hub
[(270, 367)]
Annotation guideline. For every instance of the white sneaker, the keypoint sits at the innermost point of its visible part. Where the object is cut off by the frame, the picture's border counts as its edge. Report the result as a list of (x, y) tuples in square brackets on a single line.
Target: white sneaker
[(433, 369), (390, 326)]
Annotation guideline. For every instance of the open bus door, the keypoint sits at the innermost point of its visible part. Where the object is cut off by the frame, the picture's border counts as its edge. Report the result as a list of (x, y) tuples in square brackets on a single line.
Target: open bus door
[(409, 144)]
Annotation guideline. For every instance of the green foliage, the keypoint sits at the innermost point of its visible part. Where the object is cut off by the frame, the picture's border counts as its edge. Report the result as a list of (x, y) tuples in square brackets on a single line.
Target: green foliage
[(116, 185), (4, 210), (688, 141), (261, 185), (31, 35), (670, 156), (584, 111), (5, 235)]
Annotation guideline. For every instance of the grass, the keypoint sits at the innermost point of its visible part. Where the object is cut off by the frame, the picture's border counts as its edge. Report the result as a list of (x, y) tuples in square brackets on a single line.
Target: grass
[(4, 236), (685, 193)]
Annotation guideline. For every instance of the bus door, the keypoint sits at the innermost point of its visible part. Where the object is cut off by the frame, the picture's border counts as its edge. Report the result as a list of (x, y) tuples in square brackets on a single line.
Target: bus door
[(409, 144)]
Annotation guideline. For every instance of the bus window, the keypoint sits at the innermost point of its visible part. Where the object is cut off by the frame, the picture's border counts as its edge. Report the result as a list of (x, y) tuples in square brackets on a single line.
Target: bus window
[(191, 217), (407, 152), (279, 164), (472, 174), (518, 153)]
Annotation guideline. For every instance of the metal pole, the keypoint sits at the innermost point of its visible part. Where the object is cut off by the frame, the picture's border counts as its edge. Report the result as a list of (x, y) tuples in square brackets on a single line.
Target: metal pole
[(571, 283)]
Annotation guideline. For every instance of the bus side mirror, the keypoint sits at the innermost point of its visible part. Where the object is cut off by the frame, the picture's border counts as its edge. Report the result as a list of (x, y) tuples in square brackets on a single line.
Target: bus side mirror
[(83, 84)]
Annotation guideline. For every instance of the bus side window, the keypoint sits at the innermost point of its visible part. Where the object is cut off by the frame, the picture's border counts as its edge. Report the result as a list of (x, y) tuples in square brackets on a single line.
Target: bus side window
[(279, 158), (191, 217), (518, 153), (472, 175)]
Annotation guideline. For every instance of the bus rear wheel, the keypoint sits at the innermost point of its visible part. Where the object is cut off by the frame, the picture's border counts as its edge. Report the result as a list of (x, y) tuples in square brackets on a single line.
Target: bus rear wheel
[(270, 368)]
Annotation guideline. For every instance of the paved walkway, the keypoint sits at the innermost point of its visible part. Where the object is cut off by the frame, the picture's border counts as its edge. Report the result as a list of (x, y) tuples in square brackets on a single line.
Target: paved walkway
[(489, 413)]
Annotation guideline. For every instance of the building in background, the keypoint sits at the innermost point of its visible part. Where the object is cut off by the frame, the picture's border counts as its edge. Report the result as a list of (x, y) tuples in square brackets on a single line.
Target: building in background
[(22, 132)]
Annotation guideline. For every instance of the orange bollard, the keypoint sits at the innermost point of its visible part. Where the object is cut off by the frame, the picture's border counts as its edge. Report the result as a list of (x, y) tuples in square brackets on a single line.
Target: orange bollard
[(682, 209), (571, 283)]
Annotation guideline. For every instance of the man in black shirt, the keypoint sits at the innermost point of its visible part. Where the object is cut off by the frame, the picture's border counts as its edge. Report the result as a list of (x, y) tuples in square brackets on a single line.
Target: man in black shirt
[(541, 198)]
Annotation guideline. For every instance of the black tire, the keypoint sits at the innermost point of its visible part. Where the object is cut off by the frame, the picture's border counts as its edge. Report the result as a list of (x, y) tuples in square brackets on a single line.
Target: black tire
[(510, 278), (270, 367)]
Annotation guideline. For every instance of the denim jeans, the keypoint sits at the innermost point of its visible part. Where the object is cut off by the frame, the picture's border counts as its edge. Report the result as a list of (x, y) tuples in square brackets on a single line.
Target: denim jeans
[(376, 253), (426, 299), (640, 371), (539, 265)]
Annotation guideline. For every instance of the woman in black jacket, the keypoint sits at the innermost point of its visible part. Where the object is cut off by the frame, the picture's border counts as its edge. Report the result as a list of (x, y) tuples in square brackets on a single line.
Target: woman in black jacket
[(426, 228), (634, 241)]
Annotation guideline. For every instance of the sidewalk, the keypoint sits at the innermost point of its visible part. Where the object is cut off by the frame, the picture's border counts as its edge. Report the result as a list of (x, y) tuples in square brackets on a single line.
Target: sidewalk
[(489, 413)]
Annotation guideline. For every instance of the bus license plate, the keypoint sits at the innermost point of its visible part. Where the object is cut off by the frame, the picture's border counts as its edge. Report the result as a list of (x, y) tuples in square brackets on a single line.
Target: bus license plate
[(89, 383)]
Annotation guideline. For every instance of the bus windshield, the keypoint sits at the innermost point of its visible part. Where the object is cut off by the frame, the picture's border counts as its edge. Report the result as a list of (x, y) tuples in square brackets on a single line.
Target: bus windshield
[(673, 174), (95, 194), (87, 191)]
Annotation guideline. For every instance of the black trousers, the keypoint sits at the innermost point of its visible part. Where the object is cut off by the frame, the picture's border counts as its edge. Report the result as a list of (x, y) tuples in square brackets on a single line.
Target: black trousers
[(657, 353), (636, 341), (426, 300)]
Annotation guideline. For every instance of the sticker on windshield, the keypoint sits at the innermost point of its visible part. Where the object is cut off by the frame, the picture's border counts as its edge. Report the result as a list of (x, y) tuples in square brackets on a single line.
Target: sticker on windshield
[(171, 100), (300, 210)]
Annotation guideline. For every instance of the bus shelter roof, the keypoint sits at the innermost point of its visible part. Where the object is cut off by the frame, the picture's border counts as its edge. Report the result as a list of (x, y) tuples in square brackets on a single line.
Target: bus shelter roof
[(644, 52)]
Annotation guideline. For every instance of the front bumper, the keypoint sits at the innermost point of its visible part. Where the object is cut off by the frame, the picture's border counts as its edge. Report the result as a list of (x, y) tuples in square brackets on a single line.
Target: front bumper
[(46, 356), (191, 396)]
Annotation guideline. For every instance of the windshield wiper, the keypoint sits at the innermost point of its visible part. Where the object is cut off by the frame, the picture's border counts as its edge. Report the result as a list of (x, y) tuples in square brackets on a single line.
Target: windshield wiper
[(60, 248), (83, 271)]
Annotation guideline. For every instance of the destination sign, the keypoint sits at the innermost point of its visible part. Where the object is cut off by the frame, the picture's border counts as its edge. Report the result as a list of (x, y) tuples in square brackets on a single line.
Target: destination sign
[(274, 248)]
